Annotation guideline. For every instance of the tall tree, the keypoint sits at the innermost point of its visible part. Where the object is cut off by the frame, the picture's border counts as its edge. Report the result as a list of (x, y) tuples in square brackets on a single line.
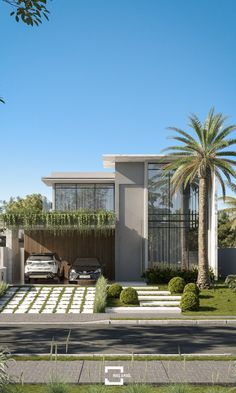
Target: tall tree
[(199, 157), (30, 204), (226, 227), (230, 210)]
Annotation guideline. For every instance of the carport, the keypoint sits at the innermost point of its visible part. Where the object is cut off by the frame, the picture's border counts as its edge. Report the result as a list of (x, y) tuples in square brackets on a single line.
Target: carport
[(70, 234)]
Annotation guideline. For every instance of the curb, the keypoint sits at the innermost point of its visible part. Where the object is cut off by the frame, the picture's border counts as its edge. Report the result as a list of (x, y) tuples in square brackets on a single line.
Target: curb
[(171, 322), (130, 322)]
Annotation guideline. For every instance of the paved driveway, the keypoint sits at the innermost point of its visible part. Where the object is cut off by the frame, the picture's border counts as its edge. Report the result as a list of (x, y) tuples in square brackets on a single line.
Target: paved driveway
[(48, 300)]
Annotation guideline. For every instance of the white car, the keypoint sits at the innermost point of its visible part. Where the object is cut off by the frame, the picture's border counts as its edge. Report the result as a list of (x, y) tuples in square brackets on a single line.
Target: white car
[(43, 265)]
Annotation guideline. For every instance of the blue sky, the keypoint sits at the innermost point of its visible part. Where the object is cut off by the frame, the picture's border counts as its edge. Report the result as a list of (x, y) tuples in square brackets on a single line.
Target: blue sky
[(108, 76)]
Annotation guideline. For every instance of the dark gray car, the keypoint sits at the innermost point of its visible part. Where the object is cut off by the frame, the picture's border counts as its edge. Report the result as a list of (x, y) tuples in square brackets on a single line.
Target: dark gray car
[(85, 269)]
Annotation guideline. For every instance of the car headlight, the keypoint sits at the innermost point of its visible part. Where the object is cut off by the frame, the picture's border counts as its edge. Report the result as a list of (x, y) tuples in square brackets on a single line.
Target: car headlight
[(98, 271), (73, 274)]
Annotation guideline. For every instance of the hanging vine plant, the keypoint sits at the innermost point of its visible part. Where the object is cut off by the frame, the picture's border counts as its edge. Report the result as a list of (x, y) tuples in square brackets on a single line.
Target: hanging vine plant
[(81, 220)]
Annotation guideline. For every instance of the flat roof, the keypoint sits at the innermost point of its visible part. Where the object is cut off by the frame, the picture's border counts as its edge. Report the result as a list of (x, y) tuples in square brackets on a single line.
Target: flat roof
[(79, 177), (109, 160)]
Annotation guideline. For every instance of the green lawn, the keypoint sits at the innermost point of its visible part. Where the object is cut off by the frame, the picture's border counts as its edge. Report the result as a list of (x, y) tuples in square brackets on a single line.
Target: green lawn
[(112, 302), (218, 301), (124, 389)]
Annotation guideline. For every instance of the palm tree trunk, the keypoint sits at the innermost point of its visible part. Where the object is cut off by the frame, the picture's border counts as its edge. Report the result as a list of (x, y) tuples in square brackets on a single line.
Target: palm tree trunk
[(185, 229), (203, 280)]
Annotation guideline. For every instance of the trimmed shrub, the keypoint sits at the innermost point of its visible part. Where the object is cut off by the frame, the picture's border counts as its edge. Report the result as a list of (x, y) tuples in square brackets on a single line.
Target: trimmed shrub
[(114, 290), (189, 302), (191, 287), (231, 282), (100, 299), (129, 296), (176, 285), (3, 288)]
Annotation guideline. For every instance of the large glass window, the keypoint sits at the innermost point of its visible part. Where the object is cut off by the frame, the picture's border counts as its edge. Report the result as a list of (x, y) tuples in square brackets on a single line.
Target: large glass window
[(84, 196), (172, 220), (65, 197)]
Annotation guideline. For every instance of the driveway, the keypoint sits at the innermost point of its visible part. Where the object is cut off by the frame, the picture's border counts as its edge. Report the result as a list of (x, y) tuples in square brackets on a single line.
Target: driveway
[(47, 300)]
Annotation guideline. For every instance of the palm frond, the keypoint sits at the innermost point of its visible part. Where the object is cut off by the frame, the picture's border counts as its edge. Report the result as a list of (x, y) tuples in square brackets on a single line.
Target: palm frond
[(182, 132)]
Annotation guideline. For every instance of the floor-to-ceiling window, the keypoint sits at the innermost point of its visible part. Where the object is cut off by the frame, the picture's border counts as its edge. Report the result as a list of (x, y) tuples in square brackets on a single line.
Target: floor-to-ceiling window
[(84, 196), (172, 220)]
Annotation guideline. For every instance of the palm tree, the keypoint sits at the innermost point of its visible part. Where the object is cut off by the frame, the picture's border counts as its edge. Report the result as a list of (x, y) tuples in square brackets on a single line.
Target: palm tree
[(199, 157)]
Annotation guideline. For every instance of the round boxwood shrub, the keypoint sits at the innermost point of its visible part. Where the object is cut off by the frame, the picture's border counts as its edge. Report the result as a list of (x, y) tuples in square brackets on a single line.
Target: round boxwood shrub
[(189, 302), (176, 285), (129, 296), (114, 290), (191, 287)]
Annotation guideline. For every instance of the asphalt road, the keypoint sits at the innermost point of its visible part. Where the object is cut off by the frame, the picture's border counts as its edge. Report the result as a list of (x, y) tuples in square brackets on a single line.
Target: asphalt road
[(119, 339)]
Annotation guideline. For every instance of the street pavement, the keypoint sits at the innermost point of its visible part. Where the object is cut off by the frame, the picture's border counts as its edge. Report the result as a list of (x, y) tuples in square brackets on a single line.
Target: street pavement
[(119, 339), (155, 372)]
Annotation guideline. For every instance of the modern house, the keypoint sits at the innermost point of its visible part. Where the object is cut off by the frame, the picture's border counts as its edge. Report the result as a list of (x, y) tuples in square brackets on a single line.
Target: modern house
[(154, 225)]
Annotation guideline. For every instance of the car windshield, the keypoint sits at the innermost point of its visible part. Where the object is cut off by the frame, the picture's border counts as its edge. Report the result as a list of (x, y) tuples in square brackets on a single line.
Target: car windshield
[(41, 258), (88, 263)]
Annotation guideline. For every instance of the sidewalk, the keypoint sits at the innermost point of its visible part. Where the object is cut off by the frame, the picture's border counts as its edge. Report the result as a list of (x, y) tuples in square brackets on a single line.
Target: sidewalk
[(106, 319), (155, 372)]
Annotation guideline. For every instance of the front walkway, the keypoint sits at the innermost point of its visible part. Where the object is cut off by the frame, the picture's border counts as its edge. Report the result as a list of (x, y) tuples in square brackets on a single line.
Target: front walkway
[(156, 372)]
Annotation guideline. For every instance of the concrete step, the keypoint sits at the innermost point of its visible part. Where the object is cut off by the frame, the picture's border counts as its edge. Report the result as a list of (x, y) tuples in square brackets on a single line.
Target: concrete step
[(168, 297), (160, 303), (156, 310), (160, 297), (141, 288), (153, 297)]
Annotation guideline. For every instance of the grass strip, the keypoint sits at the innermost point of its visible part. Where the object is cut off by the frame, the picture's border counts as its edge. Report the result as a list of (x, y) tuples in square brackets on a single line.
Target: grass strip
[(71, 300), (45, 302), (100, 388), (33, 301), (59, 298), (130, 357), (5, 305), (21, 301)]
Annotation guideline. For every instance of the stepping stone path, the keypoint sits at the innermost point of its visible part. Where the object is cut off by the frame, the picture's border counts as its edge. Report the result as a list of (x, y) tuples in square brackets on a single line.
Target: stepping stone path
[(48, 300)]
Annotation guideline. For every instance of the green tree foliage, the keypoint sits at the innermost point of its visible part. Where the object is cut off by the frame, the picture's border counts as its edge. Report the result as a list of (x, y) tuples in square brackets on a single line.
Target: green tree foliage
[(30, 12), (199, 154), (226, 234), (30, 204)]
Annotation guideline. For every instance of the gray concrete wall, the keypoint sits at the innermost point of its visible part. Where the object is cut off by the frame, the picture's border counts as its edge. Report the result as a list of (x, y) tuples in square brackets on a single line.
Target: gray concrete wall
[(13, 262), (226, 261), (129, 206)]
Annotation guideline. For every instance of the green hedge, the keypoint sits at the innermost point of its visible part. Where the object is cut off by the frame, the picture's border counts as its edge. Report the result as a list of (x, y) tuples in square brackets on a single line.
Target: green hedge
[(162, 274), (81, 220)]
